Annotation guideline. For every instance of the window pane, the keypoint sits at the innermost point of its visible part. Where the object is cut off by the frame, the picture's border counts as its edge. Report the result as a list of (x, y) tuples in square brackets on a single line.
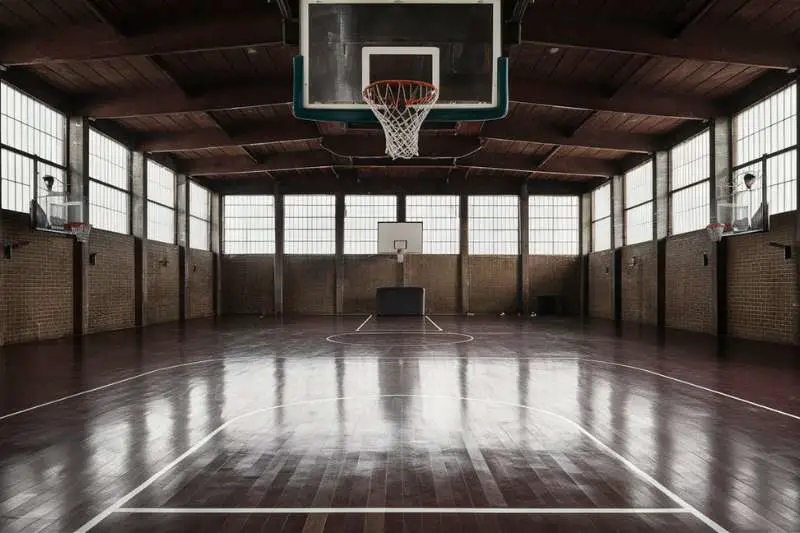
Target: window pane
[(199, 202), (690, 208), (494, 225), (362, 214), (601, 234), (690, 161), (553, 227), (601, 202), (639, 224), (766, 127), (108, 161), (108, 208), (310, 224), (440, 222), (639, 185), (160, 223), (249, 224), (160, 184)]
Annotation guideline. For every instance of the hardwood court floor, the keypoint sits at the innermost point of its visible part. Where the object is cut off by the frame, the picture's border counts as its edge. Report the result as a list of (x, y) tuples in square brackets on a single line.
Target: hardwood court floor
[(310, 426)]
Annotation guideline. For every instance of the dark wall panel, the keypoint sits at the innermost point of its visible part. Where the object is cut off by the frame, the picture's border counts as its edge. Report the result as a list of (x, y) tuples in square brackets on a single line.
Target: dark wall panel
[(640, 283), (200, 286), (439, 275), (362, 275), (112, 302), (493, 282), (248, 284), (689, 283), (309, 285), (162, 283), (601, 285), (555, 275)]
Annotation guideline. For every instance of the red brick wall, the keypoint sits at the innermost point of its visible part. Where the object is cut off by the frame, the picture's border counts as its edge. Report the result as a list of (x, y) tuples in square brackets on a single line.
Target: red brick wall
[(689, 297), (248, 284), (555, 275), (362, 275), (640, 283), (309, 285), (439, 275), (762, 284), (112, 302), (601, 285), (35, 284), (162, 283), (200, 290), (493, 282)]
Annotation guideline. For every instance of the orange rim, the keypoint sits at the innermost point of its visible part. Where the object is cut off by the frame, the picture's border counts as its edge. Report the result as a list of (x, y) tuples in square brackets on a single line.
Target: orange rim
[(413, 101)]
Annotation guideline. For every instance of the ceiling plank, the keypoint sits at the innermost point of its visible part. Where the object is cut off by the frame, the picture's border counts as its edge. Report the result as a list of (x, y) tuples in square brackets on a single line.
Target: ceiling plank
[(548, 134), (740, 46), (268, 133), (99, 41), (430, 146)]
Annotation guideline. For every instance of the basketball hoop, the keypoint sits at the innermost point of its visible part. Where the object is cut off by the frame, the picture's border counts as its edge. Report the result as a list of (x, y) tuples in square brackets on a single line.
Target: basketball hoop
[(401, 253), (401, 107), (715, 231), (80, 230)]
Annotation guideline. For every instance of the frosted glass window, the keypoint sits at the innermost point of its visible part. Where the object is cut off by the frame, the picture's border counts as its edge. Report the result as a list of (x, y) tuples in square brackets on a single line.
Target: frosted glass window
[(440, 222), (249, 224), (310, 224), (553, 225), (361, 217), (690, 174), (199, 217), (493, 225), (109, 183), (160, 203), (639, 204), (601, 218)]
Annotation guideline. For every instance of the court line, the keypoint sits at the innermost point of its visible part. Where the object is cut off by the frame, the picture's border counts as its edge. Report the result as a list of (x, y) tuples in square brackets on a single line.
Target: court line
[(364, 323), (116, 506), (434, 323), (465, 338), (398, 510)]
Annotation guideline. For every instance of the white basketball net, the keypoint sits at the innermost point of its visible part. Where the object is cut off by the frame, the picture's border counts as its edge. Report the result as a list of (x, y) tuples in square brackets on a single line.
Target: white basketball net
[(401, 107)]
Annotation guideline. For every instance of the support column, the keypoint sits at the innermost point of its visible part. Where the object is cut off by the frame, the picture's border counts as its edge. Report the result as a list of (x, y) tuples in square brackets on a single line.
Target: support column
[(584, 249), (618, 241), (402, 271), (78, 179), (138, 225), (216, 248), (796, 248), (279, 236), (463, 258), (661, 223), (182, 239), (523, 290), (340, 213), (721, 192), (401, 207)]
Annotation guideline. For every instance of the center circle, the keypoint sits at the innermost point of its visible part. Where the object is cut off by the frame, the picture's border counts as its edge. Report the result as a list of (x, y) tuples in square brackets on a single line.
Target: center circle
[(389, 339)]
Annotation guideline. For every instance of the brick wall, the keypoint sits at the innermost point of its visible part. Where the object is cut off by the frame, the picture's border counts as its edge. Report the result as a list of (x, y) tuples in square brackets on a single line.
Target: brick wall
[(163, 284), (689, 296), (248, 284), (362, 275), (555, 275), (112, 302), (35, 284), (762, 284), (601, 285), (200, 290), (439, 275), (309, 285), (493, 283), (640, 283)]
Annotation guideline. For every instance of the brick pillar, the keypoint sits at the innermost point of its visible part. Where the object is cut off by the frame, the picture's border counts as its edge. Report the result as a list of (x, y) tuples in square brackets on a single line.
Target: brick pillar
[(617, 242), (585, 248), (216, 248), (402, 270), (721, 163), (463, 258), (78, 178), (138, 225), (182, 239), (796, 249), (523, 287), (340, 212), (279, 239), (661, 220)]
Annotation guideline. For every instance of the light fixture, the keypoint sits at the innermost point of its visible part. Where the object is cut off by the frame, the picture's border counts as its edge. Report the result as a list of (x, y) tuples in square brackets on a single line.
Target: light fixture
[(554, 50)]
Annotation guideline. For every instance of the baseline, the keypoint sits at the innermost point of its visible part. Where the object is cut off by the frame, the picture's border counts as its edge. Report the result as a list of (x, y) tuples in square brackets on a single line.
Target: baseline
[(401, 510), (464, 338), (119, 504)]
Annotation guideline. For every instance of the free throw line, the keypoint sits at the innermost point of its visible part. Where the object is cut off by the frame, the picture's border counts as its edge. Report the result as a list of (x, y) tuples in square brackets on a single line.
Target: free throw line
[(397, 510), (434, 323)]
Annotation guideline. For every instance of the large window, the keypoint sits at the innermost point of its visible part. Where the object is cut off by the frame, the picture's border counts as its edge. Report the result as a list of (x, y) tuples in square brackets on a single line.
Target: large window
[(553, 225), (109, 184), (639, 204), (362, 214), (249, 224), (770, 127), (160, 203), (32, 140), (601, 218), (310, 224), (494, 225), (690, 175), (440, 222), (199, 217)]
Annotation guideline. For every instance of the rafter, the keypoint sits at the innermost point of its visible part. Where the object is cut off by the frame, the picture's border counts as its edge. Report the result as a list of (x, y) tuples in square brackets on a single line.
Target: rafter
[(100, 41), (727, 45)]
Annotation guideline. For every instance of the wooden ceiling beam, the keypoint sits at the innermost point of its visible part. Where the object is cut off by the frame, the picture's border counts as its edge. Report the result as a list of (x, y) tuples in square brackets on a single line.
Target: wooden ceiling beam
[(740, 46), (100, 41), (549, 134), (268, 133)]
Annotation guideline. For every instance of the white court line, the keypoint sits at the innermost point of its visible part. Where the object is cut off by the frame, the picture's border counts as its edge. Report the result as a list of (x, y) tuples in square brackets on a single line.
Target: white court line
[(116, 506), (396, 510), (434, 323), (364, 323)]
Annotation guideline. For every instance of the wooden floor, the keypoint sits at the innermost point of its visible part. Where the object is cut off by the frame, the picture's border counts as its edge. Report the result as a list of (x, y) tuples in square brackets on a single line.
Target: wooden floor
[(398, 425)]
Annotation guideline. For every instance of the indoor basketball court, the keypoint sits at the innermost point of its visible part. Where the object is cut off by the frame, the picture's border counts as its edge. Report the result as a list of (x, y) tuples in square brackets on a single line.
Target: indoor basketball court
[(317, 266)]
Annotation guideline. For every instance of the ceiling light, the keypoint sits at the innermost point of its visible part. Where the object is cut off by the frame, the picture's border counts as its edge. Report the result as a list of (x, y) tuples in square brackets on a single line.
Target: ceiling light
[(252, 50), (554, 50)]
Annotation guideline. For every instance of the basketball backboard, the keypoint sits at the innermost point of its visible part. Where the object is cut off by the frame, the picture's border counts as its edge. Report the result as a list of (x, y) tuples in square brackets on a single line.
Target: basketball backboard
[(347, 44), (394, 236), (741, 206), (51, 208)]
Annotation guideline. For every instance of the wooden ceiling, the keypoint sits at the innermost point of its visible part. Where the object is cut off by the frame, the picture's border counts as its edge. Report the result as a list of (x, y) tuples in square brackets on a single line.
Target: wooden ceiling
[(596, 85)]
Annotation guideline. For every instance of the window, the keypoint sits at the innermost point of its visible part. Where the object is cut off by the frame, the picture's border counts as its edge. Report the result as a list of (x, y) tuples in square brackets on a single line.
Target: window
[(553, 225), (601, 218), (199, 217), (440, 222), (494, 225), (160, 203), (249, 224), (310, 224), (32, 141), (109, 184), (639, 204), (361, 217), (690, 174), (770, 127)]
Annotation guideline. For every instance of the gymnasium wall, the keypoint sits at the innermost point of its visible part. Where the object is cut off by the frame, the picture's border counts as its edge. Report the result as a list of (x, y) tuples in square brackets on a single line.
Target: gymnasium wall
[(557, 275), (439, 274), (689, 283), (363, 274), (248, 284), (601, 285), (309, 285), (200, 290), (35, 284), (640, 283), (163, 283), (493, 282), (112, 290)]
